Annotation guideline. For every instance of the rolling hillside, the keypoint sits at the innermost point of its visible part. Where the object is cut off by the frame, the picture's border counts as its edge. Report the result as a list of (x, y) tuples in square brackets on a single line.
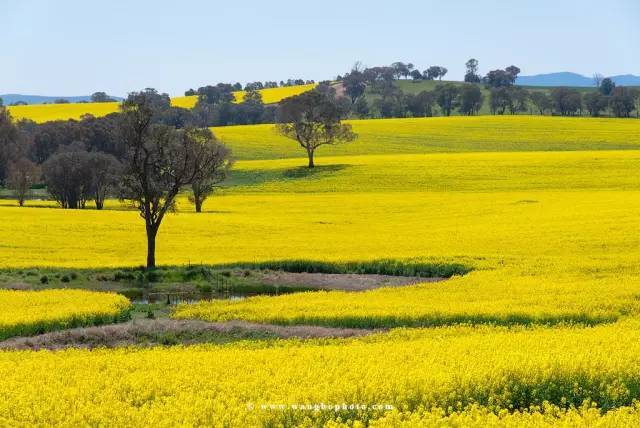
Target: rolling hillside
[(446, 134)]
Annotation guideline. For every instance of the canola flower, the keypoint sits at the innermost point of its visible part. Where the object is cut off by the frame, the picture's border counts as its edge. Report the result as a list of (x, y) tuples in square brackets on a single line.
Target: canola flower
[(47, 112), (26, 313), (543, 416), (426, 375)]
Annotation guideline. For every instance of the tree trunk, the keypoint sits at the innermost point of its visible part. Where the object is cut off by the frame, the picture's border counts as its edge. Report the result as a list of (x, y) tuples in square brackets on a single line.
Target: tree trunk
[(152, 231), (310, 154), (198, 203)]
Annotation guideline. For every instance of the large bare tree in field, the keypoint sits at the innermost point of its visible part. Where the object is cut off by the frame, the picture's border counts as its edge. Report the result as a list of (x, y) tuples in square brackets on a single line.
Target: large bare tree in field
[(160, 161), (313, 119)]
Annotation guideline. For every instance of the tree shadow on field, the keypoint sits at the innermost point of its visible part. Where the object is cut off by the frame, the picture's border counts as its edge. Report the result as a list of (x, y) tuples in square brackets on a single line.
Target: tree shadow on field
[(265, 176), (320, 170)]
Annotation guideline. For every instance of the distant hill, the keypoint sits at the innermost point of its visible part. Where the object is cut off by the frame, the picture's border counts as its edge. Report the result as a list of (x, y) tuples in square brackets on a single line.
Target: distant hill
[(8, 99), (573, 79)]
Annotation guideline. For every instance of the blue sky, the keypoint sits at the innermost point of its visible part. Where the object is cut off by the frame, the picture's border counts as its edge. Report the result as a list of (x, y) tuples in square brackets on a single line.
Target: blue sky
[(70, 47)]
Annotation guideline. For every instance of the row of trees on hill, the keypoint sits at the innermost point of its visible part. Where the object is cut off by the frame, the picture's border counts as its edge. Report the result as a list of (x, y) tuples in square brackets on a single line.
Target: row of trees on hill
[(216, 107), (373, 92), (256, 86)]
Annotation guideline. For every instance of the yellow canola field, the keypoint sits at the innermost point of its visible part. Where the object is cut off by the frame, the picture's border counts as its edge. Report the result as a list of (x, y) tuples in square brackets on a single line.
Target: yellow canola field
[(446, 134), (419, 371), (446, 209), (573, 225), (47, 112), (25, 313), (551, 236), (269, 95), (41, 113)]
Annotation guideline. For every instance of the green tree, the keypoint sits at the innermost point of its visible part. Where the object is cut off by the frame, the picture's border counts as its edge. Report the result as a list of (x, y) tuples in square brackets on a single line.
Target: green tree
[(541, 101), (100, 97), (471, 99), (471, 75), (354, 84), (513, 71), (607, 86), (621, 101), (312, 119), (432, 72), (500, 100), (595, 102), (566, 101), (447, 97), (519, 99), (499, 78), (421, 104)]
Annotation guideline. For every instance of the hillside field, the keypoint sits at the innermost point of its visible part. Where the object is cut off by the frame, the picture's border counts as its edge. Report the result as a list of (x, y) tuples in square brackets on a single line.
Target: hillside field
[(47, 112), (543, 329)]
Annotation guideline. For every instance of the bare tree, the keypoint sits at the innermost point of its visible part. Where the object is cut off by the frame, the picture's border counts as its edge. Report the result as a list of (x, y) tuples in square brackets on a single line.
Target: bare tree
[(313, 119), (205, 182), (67, 176), (597, 79), (22, 175), (160, 161), (104, 172), (11, 142)]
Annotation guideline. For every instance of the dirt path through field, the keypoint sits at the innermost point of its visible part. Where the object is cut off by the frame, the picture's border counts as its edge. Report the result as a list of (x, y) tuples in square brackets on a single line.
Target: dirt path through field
[(170, 332)]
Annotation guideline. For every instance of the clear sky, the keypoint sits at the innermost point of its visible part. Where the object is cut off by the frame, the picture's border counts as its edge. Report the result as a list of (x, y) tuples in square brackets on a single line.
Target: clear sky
[(69, 47)]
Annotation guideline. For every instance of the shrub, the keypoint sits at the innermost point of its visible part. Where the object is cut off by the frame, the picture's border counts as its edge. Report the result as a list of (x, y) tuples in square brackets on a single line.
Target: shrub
[(205, 288), (44, 279), (123, 276), (194, 272), (154, 276)]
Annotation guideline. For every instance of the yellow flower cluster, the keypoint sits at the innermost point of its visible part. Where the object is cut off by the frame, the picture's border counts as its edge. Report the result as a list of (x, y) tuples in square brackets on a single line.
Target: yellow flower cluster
[(47, 112), (425, 375), (25, 313), (541, 417)]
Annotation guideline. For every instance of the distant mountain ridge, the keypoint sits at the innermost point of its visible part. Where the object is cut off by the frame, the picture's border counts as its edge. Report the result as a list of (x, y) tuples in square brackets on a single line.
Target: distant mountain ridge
[(573, 79), (8, 99)]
